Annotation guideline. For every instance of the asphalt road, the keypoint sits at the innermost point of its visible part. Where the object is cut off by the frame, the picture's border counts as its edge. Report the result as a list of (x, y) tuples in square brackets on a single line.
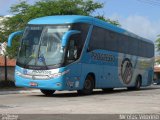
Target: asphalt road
[(121, 101)]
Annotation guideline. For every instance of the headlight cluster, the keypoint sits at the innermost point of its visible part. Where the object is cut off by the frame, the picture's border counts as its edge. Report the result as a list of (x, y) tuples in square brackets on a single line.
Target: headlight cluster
[(41, 77), (56, 75)]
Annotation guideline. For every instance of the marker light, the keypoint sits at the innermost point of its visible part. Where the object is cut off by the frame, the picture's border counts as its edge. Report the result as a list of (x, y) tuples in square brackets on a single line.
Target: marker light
[(56, 75)]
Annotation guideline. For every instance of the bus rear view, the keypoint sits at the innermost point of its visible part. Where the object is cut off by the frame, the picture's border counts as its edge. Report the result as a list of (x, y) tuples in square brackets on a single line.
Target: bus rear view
[(55, 54)]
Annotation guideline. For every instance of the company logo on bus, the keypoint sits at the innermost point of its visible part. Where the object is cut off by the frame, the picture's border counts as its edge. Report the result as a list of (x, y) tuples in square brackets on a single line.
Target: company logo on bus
[(24, 71), (41, 72), (126, 71), (103, 57)]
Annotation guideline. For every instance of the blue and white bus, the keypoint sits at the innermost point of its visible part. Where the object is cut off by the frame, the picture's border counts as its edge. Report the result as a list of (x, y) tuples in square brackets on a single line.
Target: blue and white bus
[(72, 52)]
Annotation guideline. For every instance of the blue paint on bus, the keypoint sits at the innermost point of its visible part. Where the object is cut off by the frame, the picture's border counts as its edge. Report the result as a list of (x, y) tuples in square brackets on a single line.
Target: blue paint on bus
[(61, 38)]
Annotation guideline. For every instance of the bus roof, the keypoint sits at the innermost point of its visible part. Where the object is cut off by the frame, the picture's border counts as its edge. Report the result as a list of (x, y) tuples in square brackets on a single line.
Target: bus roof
[(68, 19)]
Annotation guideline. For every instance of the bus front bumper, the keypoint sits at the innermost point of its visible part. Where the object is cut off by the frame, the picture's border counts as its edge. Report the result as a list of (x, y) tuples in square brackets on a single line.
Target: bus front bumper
[(51, 84)]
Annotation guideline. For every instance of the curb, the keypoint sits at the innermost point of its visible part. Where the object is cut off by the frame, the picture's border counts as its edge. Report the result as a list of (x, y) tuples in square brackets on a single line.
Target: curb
[(18, 92)]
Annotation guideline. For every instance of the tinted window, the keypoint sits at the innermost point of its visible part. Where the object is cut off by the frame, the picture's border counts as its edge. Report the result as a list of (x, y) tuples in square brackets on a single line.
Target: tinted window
[(76, 42), (123, 43), (84, 31), (133, 46), (109, 40), (97, 39), (146, 49)]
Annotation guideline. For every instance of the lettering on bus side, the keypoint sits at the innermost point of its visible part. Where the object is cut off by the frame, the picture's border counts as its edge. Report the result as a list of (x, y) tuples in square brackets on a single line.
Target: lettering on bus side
[(41, 72), (103, 57), (126, 71)]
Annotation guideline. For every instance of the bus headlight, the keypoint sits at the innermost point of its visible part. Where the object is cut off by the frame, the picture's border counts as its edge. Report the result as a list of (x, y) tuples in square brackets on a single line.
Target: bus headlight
[(56, 75), (41, 76)]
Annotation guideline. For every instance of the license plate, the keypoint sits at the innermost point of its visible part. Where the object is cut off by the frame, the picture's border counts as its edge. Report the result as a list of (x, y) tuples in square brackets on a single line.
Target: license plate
[(33, 84)]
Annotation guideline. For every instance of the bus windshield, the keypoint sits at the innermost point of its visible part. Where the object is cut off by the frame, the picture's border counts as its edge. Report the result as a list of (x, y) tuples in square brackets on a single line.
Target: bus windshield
[(41, 46)]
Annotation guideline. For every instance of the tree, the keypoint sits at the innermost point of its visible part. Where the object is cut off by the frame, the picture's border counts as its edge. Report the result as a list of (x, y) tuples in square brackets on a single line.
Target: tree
[(23, 12), (158, 43), (158, 48), (114, 22)]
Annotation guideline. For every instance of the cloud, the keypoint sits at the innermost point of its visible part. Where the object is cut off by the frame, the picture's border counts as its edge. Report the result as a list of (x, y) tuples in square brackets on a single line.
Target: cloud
[(140, 25)]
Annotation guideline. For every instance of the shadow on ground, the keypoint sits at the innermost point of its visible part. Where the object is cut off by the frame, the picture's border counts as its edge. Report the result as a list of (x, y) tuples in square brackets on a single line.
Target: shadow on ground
[(4, 84), (98, 92)]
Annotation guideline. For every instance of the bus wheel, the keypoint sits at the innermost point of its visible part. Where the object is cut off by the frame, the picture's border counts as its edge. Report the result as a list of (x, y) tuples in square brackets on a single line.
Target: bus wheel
[(48, 92), (107, 89), (88, 86), (137, 84)]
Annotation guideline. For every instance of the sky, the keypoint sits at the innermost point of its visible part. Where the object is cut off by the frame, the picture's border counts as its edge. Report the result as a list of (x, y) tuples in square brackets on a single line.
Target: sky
[(141, 17)]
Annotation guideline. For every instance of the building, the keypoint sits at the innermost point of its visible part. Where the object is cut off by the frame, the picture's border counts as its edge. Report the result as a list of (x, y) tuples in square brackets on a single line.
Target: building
[(3, 48), (10, 62), (10, 68), (156, 79)]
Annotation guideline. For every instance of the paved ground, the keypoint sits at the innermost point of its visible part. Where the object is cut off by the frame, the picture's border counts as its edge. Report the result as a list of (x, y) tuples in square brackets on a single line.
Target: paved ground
[(121, 101)]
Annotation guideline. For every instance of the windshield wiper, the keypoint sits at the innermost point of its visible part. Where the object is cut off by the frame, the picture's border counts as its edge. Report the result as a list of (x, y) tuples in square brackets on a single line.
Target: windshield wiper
[(27, 61)]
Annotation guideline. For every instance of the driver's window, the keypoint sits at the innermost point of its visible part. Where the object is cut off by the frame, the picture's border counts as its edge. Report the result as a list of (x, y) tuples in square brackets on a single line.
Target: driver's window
[(72, 50)]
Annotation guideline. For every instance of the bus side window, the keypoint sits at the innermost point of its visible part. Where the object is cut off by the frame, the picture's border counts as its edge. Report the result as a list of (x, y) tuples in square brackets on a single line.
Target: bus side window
[(97, 39)]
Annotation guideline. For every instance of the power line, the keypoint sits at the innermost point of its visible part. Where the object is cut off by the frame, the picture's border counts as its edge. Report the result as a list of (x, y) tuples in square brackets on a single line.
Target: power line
[(150, 2)]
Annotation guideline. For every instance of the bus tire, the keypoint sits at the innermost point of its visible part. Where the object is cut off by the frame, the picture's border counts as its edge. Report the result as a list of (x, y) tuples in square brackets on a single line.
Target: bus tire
[(137, 85), (107, 89), (88, 86), (47, 92)]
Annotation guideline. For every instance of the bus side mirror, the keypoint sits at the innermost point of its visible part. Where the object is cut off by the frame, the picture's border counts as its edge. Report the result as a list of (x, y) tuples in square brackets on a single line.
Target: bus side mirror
[(66, 36), (12, 35)]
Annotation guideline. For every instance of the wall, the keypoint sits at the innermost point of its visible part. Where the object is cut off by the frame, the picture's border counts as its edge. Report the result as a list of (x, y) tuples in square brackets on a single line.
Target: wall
[(10, 74)]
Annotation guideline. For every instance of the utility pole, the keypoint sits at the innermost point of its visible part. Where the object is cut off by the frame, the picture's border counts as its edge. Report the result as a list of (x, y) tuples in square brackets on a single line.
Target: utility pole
[(5, 66), (4, 46), (5, 60)]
